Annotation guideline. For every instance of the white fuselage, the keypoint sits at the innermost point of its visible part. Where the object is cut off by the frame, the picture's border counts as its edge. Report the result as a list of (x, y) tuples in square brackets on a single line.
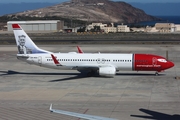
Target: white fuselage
[(76, 60)]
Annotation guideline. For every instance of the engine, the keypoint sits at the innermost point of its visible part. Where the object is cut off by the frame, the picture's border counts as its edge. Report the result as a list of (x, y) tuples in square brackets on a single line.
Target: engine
[(107, 71)]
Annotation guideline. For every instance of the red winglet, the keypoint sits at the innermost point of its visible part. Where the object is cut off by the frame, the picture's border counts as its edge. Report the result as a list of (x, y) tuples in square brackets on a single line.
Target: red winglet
[(79, 49), (15, 26)]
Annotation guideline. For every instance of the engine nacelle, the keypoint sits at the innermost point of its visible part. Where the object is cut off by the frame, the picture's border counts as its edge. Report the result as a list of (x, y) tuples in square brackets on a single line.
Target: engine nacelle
[(107, 71)]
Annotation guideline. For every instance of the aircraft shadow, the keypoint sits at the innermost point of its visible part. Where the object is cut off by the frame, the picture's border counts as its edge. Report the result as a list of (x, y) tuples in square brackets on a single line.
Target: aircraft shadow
[(74, 75), (137, 74), (69, 78), (153, 115), (11, 72)]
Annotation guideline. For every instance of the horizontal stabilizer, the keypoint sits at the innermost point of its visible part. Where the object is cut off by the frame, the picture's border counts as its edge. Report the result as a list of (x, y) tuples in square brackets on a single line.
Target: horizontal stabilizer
[(55, 60)]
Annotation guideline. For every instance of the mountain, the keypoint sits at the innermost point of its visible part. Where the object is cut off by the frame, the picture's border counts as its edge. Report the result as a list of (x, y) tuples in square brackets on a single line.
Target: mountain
[(93, 11), (159, 9)]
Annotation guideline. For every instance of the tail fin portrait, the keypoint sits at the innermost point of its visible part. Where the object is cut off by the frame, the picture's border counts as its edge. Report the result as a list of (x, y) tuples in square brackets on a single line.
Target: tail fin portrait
[(24, 43)]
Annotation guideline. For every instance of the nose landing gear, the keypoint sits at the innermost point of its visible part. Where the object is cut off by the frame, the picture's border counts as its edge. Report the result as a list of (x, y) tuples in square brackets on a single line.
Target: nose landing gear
[(156, 73)]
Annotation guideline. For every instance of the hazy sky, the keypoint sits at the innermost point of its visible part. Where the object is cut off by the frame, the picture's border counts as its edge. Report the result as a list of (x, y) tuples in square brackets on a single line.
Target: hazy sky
[(58, 1)]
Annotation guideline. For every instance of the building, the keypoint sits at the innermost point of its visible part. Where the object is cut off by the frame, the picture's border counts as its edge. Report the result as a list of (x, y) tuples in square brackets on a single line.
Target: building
[(91, 26), (100, 4), (104, 27), (123, 28), (151, 29), (138, 29), (177, 27), (70, 29), (165, 27), (110, 29), (38, 26)]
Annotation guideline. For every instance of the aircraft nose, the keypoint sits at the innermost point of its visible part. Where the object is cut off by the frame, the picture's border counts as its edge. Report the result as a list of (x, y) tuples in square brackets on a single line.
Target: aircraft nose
[(170, 64)]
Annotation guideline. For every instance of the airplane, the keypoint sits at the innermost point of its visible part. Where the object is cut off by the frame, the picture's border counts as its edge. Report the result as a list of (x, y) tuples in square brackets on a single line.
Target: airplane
[(105, 64), (78, 115)]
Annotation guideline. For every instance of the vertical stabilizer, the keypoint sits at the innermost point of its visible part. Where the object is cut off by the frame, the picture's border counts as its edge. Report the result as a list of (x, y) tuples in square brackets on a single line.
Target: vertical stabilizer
[(24, 43)]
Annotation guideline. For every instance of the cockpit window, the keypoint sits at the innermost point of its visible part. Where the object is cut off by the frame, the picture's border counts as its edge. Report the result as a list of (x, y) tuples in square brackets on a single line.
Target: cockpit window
[(162, 60)]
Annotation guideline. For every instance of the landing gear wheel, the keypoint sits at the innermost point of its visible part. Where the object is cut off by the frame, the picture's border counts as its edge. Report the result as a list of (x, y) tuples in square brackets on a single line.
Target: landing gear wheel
[(156, 73)]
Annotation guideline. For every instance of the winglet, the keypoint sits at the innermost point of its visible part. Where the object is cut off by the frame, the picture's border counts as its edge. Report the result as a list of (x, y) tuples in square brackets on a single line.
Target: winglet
[(79, 50), (55, 60), (78, 115), (50, 108)]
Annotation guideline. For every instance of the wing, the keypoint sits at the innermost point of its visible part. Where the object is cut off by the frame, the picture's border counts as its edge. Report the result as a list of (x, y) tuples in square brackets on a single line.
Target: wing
[(78, 115)]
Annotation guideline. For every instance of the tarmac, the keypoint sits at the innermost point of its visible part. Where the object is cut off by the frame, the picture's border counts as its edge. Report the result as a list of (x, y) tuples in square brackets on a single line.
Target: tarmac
[(26, 91)]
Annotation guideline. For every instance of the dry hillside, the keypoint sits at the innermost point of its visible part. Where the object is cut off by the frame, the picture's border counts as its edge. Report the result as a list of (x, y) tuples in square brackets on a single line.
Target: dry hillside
[(93, 11)]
